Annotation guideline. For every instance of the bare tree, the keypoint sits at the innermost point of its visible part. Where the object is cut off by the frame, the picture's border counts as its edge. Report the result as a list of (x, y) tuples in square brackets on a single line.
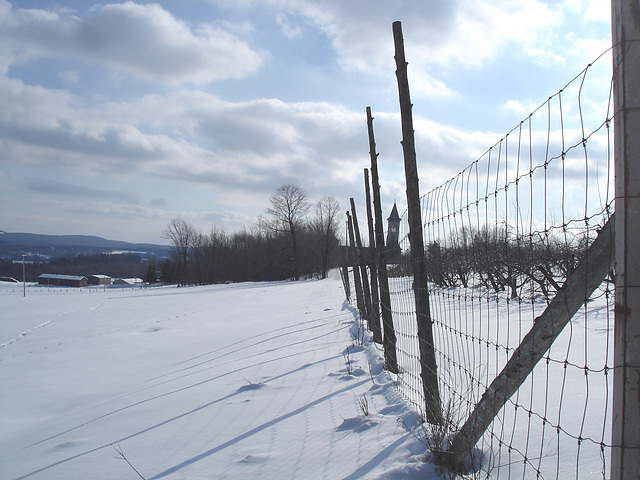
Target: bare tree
[(197, 248), (181, 234), (289, 206), (325, 225)]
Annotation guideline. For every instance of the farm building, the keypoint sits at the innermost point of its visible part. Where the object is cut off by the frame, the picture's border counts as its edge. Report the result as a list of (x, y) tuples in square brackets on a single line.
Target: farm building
[(128, 281), (62, 280), (99, 279)]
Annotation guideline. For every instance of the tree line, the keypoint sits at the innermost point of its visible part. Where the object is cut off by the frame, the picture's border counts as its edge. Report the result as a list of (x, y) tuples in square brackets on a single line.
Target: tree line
[(295, 239)]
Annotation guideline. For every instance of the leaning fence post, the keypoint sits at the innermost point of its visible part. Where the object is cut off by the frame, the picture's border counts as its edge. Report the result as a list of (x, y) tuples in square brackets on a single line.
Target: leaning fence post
[(389, 333), (421, 293), (578, 287), (356, 267), (344, 273), (374, 314), (366, 290), (625, 456)]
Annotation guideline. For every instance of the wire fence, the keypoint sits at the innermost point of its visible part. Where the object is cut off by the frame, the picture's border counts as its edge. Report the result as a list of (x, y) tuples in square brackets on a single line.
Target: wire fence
[(501, 239)]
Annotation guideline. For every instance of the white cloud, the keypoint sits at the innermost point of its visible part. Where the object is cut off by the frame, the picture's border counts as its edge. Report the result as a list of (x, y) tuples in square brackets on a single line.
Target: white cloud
[(290, 31), (461, 31), (213, 141), (439, 36), (69, 76), (425, 85), (145, 41), (520, 108), (590, 10)]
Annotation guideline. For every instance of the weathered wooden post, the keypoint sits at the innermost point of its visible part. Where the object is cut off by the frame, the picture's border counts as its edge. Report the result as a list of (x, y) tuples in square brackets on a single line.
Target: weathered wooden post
[(356, 267), (374, 317), (389, 333), (625, 457), (429, 372), (344, 273), (366, 290)]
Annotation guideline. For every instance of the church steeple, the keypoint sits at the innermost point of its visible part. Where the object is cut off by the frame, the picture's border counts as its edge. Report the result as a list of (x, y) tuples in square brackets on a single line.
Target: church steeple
[(393, 229)]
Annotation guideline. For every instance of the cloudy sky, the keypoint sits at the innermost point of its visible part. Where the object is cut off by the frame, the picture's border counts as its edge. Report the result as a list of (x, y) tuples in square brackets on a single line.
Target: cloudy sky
[(117, 117)]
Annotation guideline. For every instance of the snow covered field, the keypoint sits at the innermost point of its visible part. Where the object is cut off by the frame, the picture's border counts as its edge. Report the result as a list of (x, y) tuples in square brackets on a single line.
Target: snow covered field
[(244, 381)]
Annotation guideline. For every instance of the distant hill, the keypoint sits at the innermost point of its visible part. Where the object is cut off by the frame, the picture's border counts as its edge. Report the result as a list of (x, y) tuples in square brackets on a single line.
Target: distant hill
[(14, 245)]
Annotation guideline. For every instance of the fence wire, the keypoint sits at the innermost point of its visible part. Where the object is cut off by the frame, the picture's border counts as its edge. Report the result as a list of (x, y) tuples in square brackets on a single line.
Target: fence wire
[(501, 237)]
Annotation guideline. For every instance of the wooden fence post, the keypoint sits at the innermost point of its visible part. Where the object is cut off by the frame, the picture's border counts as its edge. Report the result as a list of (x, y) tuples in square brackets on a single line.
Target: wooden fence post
[(389, 333), (428, 364), (374, 317), (366, 290), (344, 273), (356, 267), (625, 457)]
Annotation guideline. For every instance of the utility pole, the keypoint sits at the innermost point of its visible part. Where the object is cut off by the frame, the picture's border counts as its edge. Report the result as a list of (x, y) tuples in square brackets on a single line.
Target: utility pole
[(24, 278)]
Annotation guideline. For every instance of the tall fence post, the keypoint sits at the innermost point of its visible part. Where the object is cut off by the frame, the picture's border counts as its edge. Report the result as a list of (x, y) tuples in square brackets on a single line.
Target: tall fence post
[(428, 365), (356, 267), (389, 333), (374, 314), (625, 461)]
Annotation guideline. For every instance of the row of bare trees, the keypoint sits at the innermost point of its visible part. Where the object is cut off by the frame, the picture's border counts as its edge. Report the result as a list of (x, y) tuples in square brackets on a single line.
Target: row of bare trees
[(295, 239), (502, 261)]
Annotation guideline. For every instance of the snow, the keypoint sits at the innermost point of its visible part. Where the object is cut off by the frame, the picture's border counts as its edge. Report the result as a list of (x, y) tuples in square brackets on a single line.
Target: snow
[(558, 423), (250, 380)]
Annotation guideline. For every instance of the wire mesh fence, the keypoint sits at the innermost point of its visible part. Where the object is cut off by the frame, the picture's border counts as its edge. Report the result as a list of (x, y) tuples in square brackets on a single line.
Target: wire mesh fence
[(501, 239)]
